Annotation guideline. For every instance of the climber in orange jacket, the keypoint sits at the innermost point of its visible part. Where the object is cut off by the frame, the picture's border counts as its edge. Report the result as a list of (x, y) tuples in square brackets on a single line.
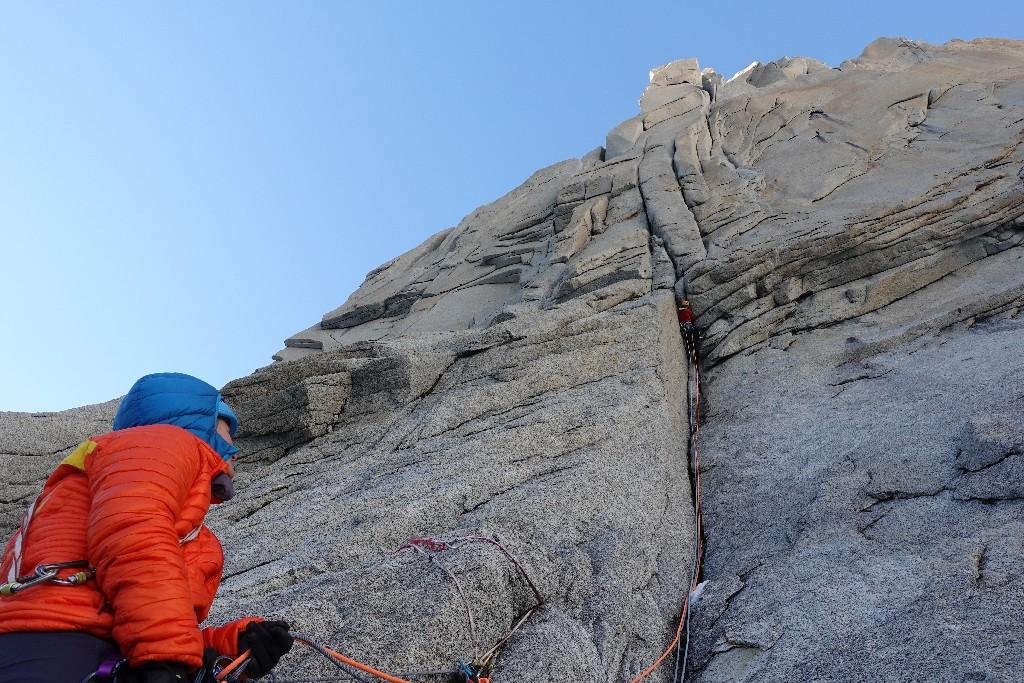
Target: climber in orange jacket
[(125, 513)]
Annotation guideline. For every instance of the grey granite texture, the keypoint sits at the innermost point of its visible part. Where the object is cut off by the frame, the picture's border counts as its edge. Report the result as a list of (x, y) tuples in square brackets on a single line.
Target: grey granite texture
[(852, 242)]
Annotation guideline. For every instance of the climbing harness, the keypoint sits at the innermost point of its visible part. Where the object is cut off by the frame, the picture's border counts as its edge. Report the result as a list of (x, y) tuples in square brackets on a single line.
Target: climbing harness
[(51, 574), (680, 644), (222, 669)]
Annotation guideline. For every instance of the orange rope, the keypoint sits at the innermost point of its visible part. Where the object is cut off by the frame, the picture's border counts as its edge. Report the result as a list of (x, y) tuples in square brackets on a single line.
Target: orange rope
[(356, 665), (226, 671), (694, 360), (244, 657)]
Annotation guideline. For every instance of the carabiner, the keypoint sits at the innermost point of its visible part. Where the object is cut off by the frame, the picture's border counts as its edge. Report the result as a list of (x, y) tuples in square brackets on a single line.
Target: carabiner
[(50, 573), (231, 670), (42, 574), (75, 579)]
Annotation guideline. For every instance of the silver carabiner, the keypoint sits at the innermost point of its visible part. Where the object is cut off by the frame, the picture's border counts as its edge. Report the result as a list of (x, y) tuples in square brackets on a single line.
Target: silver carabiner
[(75, 579), (41, 575), (50, 573)]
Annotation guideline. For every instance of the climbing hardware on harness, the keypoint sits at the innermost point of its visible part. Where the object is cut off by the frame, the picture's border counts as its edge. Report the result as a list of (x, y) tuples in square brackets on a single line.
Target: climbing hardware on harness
[(107, 671), (51, 574)]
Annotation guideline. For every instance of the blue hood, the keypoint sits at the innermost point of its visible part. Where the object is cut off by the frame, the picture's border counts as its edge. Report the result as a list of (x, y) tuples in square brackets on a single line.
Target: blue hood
[(173, 398)]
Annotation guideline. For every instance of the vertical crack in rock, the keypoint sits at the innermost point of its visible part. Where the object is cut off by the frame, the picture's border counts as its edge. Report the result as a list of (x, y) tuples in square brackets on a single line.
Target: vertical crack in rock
[(852, 241)]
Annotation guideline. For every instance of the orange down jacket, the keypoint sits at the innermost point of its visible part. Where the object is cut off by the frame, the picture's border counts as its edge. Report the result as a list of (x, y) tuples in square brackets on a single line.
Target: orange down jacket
[(131, 503)]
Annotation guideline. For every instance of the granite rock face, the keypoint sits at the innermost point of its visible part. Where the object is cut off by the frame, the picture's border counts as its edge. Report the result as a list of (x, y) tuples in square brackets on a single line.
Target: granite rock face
[(851, 242), (33, 444)]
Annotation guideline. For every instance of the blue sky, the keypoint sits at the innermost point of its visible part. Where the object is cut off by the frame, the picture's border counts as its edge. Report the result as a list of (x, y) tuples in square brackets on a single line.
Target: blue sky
[(183, 185)]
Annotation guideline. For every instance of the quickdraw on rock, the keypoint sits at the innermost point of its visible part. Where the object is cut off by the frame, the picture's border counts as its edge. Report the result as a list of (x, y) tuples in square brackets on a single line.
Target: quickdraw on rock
[(50, 574), (474, 672)]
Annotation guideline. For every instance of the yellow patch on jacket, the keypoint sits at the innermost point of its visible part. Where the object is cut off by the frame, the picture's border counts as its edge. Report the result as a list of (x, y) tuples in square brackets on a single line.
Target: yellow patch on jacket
[(78, 456)]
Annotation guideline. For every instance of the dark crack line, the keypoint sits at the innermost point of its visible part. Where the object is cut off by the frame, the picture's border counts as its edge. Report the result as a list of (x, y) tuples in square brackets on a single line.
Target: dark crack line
[(249, 569), (1002, 458)]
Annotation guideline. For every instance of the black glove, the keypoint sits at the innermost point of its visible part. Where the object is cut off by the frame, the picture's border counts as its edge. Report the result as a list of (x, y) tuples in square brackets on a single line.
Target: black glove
[(210, 659), (157, 672), (267, 642)]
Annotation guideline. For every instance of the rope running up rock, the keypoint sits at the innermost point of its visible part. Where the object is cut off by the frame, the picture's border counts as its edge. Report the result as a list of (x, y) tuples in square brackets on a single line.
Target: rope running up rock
[(476, 671), (479, 669), (689, 331)]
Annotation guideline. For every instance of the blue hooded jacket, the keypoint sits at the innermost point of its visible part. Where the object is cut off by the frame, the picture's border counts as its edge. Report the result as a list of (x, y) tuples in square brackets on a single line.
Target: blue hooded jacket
[(177, 399)]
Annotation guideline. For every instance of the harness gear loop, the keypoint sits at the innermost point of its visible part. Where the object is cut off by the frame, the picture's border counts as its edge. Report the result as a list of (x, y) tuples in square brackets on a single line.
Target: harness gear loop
[(108, 670), (50, 573)]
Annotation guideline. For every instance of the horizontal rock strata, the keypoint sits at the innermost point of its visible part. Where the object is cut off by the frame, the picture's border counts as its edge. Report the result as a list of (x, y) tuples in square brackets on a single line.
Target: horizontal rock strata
[(852, 242)]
